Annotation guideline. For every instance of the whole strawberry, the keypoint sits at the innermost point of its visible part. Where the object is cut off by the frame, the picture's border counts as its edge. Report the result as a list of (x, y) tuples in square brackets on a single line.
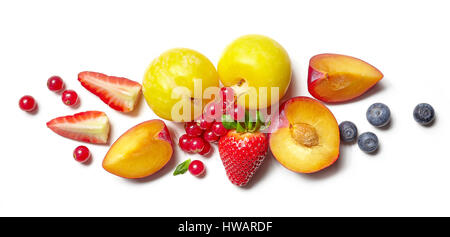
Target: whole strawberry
[(242, 154)]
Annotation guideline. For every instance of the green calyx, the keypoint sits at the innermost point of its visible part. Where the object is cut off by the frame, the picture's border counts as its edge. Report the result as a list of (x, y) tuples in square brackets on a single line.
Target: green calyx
[(253, 122)]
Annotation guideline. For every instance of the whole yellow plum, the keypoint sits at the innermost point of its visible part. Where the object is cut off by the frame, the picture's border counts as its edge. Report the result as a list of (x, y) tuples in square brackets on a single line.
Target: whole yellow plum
[(257, 68), (175, 81)]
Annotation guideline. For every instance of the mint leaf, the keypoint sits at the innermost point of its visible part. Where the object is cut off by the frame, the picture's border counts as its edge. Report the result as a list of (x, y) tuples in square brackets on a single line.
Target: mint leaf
[(228, 122), (182, 168)]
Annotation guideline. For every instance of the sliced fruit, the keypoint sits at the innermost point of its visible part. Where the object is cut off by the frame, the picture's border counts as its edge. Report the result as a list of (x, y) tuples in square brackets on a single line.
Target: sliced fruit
[(306, 137), (119, 93), (338, 78), (90, 126), (140, 151)]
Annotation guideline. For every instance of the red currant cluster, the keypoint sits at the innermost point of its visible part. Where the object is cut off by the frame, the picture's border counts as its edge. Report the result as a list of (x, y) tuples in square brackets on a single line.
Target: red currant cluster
[(209, 128)]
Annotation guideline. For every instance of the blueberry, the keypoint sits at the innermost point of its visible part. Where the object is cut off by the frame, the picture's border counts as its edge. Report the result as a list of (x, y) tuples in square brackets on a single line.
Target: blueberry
[(424, 114), (368, 142), (378, 115), (348, 131)]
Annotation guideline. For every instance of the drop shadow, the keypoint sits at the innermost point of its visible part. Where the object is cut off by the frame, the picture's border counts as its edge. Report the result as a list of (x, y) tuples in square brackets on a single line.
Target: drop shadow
[(388, 125), (291, 91), (262, 171), (138, 107), (377, 88), (75, 106), (35, 110), (430, 124), (330, 170), (88, 162), (168, 168)]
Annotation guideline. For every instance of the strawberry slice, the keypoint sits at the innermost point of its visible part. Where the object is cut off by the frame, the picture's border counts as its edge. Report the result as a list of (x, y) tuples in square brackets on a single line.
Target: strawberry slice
[(119, 93), (90, 126)]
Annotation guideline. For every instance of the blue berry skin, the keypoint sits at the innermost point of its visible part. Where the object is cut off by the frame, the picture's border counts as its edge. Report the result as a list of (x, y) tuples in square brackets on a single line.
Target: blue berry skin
[(378, 115), (348, 131), (424, 114), (368, 142)]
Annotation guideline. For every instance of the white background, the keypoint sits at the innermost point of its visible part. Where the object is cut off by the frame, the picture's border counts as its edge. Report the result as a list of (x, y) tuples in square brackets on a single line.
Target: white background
[(407, 40)]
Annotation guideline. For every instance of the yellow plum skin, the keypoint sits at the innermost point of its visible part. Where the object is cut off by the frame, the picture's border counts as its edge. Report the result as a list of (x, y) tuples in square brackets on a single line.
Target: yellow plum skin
[(255, 61), (174, 68)]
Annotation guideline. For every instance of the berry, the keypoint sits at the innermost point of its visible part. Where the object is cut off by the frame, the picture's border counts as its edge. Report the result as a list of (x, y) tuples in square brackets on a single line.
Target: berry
[(192, 129), (210, 136), (227, 94), (196, 168), (203, 123), (209, 111), (184, 142), (70, 97), (119, 93), (90, 126), (206, 149), (196, 145), (348, 131), (55, 83), (219, 129), (238, 113), (27, 103), (242, 154), (81, 154), (378, 115), (226, 98), (368, 142), (424, 114)]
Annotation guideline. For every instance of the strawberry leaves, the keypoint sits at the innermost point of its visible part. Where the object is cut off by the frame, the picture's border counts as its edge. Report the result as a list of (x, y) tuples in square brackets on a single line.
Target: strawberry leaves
[(182, 167), (253, 122)]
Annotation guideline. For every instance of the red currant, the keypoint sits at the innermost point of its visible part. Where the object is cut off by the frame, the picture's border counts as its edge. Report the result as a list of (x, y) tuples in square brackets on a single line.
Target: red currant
[(196, 145), (192, 129), (205, 149), (55, 83), (184, 142), (196, 168), (210, 111), (81, 154), (210, 136), (227, 94), (70, 97), (238, 113), (27, 103), (203, 123), (219, 129)]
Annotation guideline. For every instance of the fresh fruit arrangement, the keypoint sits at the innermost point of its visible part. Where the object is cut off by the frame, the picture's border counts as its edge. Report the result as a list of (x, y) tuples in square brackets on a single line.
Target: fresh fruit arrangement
[(182, 85)]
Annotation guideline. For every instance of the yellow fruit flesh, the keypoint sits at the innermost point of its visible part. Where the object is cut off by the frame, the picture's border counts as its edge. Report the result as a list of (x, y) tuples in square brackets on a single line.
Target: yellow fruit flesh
[(302, 158), (346, 77), (139, 152)]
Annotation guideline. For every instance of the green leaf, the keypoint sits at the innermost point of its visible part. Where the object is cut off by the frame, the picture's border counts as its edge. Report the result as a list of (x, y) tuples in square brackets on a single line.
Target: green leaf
[(182, 168), (240, 127), (228, 122), (248, 121)]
